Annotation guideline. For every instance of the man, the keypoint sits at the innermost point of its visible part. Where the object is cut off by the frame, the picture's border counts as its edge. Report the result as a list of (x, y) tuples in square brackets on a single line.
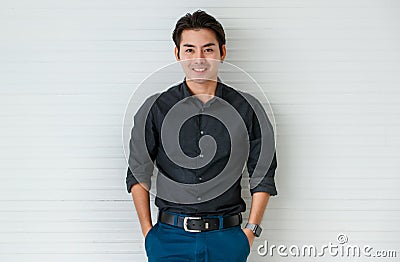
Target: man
[(194, 224)]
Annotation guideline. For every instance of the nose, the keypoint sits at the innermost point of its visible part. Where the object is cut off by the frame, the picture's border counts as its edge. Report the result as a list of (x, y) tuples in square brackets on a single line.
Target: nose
[(199, 57), (199, 54)]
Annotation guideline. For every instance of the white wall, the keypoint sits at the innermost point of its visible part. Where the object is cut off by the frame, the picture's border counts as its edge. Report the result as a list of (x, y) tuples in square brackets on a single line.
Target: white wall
[(67, 70)]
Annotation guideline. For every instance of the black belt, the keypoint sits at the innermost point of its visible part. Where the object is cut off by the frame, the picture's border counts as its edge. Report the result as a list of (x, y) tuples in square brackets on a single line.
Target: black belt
[(200, 224)]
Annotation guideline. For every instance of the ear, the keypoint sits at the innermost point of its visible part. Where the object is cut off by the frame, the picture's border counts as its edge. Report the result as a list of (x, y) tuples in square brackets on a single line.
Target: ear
[(176, 54), (223, 52)]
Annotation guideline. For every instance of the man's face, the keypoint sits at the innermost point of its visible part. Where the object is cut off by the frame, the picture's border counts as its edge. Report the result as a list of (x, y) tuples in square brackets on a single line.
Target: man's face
[(200, 54)]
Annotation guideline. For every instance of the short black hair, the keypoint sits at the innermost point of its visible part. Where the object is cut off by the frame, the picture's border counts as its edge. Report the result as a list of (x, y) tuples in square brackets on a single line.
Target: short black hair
[(198, 20)]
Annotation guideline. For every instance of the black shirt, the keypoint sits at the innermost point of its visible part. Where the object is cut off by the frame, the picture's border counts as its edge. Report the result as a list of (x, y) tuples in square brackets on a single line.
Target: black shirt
[(141, 162)]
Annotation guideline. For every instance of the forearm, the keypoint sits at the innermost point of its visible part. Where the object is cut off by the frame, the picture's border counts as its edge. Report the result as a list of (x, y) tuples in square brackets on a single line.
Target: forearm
[(258, 204), (141, 199)]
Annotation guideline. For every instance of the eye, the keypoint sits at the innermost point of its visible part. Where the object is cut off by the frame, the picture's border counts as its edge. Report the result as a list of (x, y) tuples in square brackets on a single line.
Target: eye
[(208, 50), (189, 50)]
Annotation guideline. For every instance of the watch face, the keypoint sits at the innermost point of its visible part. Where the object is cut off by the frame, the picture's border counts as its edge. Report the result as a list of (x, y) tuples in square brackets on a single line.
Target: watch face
[(257, 231)]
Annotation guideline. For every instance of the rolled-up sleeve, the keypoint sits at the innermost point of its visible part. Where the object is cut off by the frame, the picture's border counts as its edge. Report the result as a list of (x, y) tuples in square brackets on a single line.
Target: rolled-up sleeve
[(142, 146), (267, 184), (262, 162)]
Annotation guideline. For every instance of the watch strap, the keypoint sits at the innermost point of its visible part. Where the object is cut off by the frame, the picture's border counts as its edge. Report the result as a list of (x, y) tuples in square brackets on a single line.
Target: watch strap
[(255, 228)]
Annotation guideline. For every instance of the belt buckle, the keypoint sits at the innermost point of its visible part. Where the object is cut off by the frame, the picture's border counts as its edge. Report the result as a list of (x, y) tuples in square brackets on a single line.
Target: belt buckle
[(185, 227)]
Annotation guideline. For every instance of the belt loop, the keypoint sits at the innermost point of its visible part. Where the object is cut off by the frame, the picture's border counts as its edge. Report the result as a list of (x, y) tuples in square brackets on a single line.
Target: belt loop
[(221, 222), (176, 220)]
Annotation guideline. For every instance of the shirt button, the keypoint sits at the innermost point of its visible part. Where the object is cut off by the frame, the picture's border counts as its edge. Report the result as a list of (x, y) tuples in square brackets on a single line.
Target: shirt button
[(201, 156), (201, 132), (200, 178), (199, 198)]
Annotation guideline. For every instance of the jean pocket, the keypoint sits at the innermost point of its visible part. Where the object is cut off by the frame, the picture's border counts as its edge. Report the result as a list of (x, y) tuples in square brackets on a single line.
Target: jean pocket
[(245, 239), (147, 238)]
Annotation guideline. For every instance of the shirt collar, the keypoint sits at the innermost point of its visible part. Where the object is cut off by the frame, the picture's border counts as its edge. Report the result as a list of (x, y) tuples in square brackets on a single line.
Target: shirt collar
[(218, 91)]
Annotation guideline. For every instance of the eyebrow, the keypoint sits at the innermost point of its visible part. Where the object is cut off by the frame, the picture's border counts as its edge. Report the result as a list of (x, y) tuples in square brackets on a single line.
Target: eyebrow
[(206, 45)]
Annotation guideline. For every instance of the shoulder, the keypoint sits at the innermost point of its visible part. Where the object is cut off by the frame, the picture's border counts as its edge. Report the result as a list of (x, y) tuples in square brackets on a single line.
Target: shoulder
[(169, 97), (239, 98)]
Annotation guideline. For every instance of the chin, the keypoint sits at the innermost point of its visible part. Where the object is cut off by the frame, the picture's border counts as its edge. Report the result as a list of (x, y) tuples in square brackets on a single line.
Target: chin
[(198, 80)]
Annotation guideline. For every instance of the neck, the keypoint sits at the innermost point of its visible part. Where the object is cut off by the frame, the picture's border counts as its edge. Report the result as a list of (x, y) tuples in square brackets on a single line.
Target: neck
[(204, 90)]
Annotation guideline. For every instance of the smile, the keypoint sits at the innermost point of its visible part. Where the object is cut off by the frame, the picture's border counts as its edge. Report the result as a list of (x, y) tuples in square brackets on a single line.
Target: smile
[(199, 69)]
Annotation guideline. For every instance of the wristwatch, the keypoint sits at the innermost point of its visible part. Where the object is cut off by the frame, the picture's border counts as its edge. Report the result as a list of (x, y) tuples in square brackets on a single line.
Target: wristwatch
[(255, 228)]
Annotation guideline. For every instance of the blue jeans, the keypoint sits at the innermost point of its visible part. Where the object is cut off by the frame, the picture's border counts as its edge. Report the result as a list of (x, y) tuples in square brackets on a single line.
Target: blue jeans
[(168, 243)]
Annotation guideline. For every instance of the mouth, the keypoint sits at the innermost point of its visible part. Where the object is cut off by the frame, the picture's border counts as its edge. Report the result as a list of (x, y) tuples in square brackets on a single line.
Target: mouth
[(199, 70)]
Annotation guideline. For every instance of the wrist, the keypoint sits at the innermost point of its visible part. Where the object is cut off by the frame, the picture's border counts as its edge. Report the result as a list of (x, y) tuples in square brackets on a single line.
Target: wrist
[(146, 229)]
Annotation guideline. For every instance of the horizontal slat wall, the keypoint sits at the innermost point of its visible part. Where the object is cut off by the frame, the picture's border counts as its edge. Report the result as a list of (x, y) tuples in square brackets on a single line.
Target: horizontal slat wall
[(67, 70)]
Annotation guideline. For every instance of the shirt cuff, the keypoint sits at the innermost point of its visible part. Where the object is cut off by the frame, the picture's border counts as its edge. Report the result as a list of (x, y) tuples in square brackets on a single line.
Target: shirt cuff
[(130, 182), (266, 185)]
